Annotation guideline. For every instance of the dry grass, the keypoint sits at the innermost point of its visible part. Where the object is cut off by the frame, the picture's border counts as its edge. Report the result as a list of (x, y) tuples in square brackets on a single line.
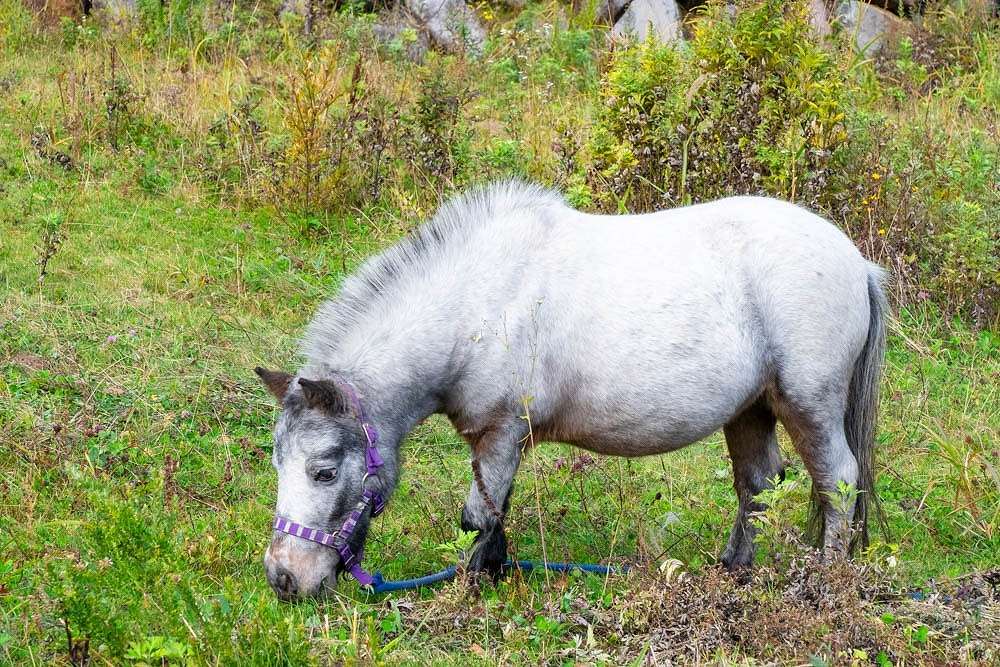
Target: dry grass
[(815, 612)]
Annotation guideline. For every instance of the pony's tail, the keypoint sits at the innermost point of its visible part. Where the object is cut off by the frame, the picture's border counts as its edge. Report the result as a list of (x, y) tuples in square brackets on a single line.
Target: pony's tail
[(861, 417)]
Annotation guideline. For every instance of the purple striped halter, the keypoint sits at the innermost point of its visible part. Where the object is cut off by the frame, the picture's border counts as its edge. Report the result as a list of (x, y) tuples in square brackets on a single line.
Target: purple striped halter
[(338, 539)]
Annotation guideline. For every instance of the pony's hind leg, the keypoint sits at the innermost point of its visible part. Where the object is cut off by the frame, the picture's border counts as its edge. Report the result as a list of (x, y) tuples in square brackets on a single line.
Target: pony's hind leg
[(822, 444), (753, 448), (496, 454)]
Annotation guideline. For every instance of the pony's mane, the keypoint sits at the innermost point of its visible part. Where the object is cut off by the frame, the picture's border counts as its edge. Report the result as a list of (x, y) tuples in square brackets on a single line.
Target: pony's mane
[(445, 234)]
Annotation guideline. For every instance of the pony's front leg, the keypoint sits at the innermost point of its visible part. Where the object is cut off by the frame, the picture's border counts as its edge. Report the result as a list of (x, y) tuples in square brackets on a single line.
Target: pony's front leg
[(496, 455)]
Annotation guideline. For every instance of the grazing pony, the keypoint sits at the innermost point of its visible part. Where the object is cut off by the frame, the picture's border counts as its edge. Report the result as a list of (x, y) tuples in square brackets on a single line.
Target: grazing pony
[(626, 335)]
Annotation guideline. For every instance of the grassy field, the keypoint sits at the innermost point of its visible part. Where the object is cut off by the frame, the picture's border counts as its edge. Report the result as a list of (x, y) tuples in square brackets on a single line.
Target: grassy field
[(176, 201)]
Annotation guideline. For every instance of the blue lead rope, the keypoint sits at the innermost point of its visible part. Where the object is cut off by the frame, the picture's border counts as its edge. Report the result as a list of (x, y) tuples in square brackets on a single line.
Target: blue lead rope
[(380, 585)]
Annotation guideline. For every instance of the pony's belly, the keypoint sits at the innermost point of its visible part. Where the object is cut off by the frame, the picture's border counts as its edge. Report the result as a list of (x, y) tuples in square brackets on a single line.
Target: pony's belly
[(635, 444), (628, 430)]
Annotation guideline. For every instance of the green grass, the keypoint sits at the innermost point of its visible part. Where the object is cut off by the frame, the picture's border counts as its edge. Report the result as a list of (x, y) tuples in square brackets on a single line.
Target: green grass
[(136, 491)]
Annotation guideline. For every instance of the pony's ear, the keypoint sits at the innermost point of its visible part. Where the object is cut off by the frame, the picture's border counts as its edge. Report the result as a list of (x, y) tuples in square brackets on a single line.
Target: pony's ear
[(277, 382), (324, 395)]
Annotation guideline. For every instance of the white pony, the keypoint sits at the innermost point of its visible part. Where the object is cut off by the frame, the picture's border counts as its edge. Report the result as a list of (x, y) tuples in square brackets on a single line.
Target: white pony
[(626, 335)]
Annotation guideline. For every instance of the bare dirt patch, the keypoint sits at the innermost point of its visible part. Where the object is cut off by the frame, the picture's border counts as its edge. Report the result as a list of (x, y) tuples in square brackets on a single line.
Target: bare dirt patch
[(33, 362)]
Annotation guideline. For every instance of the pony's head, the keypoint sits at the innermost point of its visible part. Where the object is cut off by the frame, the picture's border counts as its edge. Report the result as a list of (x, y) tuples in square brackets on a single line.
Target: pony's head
[(323, 456)]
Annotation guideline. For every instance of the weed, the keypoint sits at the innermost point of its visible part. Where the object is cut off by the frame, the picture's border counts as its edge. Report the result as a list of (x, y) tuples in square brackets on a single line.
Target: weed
[(505, 157), (150, 174), (77, 650), (121, 102), (442, 144), (236, 155), (974, 478), (343, 131), (459, 547), (844, 498), (778, 535), (51, 239), (160, 651), (936, 246), (312, 94), (17, 29)]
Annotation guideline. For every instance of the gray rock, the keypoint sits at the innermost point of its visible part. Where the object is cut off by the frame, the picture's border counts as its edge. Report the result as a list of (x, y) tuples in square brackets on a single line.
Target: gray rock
[(820, 15), (642, 17), (297, 7), (401, 28), (450, 23), (113, 13), (608, 11), (872, 28), (302, 9)]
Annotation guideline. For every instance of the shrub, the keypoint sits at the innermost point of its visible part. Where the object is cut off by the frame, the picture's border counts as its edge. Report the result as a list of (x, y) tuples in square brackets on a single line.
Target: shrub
[(342, 126), (235, 156), (752, 106), (17, 29)]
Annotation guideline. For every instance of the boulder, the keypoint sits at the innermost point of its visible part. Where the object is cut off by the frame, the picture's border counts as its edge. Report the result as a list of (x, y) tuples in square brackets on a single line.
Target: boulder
[(399, 28), (113, 13), (820, 15), (640, 18), (609, 11), (873, 28), (298, 7), (302, 9), (451, 24)]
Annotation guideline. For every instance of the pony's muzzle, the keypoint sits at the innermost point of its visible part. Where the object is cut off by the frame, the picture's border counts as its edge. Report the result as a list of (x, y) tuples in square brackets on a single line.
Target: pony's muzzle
[(297, 569)]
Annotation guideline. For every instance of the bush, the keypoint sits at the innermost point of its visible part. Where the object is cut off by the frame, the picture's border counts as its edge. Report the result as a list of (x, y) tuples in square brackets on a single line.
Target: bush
[(16, 27), (752, 106), (442, 133)]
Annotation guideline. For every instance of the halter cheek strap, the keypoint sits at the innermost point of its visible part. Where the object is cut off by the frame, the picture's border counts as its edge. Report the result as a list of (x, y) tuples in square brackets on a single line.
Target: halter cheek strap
[(338, 539)]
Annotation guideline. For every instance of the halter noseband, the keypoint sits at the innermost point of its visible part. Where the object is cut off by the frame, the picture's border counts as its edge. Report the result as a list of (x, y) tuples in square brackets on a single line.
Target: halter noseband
[(338, 539)]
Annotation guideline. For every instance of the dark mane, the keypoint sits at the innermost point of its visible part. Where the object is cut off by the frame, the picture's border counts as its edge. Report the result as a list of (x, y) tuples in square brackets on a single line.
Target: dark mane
[(421, 250)]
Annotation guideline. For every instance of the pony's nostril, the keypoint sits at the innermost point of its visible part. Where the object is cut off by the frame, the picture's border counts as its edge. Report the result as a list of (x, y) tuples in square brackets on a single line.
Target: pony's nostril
[(284, 583)]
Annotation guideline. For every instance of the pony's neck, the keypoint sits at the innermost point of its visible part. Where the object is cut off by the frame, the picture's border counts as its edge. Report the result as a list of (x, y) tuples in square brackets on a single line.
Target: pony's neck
[(397, 408), (392, 328), (398, 388)]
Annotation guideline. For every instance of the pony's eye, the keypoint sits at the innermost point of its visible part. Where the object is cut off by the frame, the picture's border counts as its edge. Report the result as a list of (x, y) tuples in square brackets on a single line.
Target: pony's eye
[(325, 475)]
